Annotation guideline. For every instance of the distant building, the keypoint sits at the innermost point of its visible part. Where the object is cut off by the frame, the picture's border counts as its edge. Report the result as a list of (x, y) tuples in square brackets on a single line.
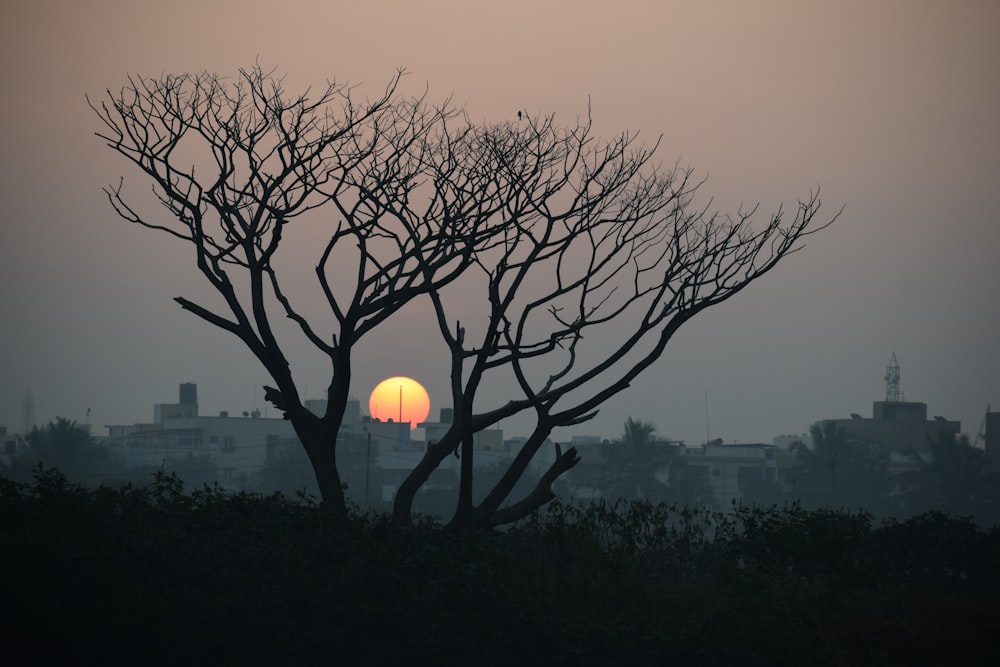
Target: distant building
[(991, 436), (317, 406), (901, 428), (189, 395), (187, 405), (732, 469), (434, 431), (373, 456), (487, 440), (396, 454), (10, 446), (729, 472), (586, 477), (352, 411), (239, 446)]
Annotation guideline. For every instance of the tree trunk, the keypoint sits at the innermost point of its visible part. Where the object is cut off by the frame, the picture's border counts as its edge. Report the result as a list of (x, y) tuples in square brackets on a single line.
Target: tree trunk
[(318, 436), (465, 512), (321, 448)]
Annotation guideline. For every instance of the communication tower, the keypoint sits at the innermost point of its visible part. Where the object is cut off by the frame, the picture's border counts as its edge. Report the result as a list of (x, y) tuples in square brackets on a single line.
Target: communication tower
[(892, 392)]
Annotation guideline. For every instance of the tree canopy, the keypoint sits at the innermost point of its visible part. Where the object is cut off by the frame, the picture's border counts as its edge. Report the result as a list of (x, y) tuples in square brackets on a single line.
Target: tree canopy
[(840, 470), (65, 445), (560, 238), (952, 477)]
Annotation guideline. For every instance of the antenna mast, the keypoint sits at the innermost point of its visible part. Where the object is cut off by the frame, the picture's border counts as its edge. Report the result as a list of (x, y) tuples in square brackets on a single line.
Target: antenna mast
[(892, 392)]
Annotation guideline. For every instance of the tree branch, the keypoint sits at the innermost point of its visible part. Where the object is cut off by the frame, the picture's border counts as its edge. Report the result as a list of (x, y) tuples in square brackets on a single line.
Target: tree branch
[(541, 494)]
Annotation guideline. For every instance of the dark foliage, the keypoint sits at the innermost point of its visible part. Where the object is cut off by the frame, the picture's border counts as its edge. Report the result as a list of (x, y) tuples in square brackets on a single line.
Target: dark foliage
[(955, 477), (841, 471), (153, 576), (633, 462), (64, 445), (289, 473)]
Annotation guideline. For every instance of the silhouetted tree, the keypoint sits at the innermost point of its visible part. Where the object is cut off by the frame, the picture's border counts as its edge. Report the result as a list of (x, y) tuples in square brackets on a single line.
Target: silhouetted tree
[(690, 485), (955, 478), (191, 471), (634, 461), (840, 471), (604, 256), (63, 445), (564, 235), (235, 162)]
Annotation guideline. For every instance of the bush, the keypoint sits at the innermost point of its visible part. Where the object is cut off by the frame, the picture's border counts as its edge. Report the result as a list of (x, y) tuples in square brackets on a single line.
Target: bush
[(153, 575)]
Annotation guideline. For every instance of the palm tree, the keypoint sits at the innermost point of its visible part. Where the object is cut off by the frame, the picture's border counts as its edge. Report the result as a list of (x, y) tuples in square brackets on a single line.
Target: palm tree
[(634, 460), (689, 485), (955, 478), (840, 471)]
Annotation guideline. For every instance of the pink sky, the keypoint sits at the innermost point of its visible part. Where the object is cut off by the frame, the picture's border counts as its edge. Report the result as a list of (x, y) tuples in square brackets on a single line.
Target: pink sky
[(891, 107)]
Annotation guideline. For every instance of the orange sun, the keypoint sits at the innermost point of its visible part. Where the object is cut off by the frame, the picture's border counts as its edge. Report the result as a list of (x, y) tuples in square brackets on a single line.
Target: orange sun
[(400, 399)]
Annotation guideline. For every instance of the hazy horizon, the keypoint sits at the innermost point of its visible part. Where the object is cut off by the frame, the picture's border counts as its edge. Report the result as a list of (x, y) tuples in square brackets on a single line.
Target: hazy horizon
[(890, 108)]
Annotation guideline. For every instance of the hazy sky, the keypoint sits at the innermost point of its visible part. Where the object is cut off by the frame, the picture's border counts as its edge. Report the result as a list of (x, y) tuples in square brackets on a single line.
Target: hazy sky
[(891, 107)]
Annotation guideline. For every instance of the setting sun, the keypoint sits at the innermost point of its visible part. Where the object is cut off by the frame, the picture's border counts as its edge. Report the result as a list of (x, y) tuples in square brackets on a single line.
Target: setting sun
[(400, 399)]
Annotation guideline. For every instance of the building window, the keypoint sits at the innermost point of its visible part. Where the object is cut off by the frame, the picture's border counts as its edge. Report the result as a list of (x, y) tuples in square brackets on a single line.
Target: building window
[(228, 443)]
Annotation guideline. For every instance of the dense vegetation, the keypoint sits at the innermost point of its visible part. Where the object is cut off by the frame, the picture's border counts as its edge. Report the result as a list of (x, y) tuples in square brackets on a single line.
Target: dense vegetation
[(152, 575)]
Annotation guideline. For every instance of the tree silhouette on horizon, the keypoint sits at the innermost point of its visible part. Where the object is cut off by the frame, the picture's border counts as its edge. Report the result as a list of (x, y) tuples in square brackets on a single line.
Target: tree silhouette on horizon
[(562, 233)]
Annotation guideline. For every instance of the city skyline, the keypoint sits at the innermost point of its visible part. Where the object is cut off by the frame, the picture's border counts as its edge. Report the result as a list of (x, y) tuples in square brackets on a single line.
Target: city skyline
[(893, 393), (889, 109)]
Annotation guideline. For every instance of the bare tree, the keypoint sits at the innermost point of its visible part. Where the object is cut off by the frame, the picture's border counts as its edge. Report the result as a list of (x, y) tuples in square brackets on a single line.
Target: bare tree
[(263, 160), (564, 234), (599, 244)]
